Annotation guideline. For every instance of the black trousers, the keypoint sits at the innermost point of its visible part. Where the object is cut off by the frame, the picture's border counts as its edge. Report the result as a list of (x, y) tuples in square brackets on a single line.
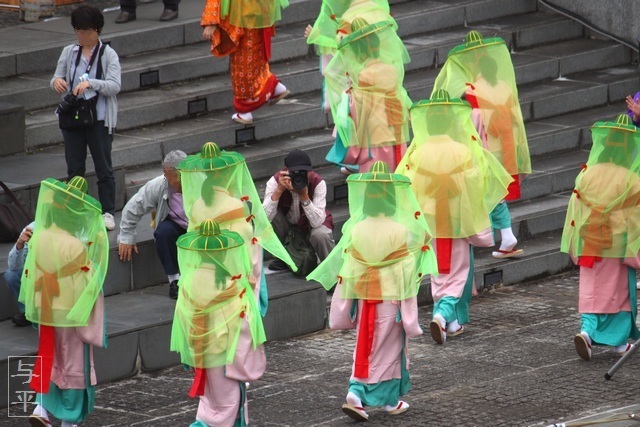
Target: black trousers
[(130, 5), (99, 141), (166, 235)]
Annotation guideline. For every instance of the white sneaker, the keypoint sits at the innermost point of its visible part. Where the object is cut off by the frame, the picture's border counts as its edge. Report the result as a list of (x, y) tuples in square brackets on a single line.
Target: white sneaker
[(109, 222)]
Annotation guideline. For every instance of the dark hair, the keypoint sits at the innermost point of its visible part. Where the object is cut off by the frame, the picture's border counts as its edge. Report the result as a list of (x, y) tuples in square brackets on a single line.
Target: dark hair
[(379, 198), (87, 18), (488, 69)]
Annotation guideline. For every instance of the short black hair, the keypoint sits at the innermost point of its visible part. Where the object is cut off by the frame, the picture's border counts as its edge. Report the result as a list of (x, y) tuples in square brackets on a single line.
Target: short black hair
[(87, 18)]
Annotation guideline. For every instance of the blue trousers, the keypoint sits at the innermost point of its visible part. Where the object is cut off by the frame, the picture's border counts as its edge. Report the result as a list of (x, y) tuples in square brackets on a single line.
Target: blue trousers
[(12, 277), (166, 235)]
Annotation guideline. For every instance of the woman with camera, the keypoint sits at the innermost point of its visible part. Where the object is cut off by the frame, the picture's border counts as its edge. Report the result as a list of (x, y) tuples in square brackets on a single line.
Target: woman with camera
[(88, 77)]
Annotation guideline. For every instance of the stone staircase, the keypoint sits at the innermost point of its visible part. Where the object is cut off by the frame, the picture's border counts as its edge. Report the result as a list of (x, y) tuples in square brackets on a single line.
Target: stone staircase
[(175, 95)]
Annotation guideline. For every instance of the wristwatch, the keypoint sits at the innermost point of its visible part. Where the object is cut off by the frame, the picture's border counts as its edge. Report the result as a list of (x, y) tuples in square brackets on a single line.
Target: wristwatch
[(305, 204)]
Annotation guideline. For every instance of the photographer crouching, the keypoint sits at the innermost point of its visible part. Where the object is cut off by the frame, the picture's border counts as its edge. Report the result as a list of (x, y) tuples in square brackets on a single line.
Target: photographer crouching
[(295, 201), (88, 77)]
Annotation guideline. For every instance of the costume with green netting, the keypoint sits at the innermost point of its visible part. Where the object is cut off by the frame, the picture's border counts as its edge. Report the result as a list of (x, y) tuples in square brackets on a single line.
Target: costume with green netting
[(217, 185), (368, 103), (482, 69), (456, 181), (252, 13), (334, 21), (215, 297), (603, 217), (68, 256), (384, 249)]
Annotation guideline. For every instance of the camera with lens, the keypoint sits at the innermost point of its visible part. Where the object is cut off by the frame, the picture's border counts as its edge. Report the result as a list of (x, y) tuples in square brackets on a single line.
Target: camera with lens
[(68, 102), (299, 179)]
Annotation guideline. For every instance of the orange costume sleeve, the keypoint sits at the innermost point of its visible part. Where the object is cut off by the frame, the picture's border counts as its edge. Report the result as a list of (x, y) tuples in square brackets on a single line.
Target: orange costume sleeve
[(226, 37)]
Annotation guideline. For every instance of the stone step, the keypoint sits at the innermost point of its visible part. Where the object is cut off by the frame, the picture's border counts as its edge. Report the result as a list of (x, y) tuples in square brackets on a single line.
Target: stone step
[(148, 34), (539, 100), (194, 61), (139, 322), (35, 48), (213, 93), (139, 328)]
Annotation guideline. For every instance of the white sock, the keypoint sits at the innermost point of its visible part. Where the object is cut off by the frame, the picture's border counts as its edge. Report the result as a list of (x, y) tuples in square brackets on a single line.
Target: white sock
[(391, 407), (173, 277), (67, 424), (354, 400), (438, 318), (509, 241), (41, 412), (279, 90), (620, 349), (245, 116), (586, 336), (453, 326)]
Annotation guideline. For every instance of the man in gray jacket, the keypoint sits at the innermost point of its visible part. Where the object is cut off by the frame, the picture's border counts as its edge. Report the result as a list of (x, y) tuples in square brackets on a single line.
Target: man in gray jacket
[(164, 196)]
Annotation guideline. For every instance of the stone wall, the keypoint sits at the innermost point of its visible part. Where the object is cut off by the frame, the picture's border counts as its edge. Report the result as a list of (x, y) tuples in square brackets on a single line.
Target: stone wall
[(618, 17)]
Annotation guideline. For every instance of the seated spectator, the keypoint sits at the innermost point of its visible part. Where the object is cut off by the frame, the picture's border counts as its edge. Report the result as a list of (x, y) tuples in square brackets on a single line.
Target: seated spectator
[(162, 195), (296, 197), (13, 275)]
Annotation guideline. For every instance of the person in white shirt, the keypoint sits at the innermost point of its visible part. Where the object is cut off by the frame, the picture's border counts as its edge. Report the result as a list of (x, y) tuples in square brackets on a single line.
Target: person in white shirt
[(296, 196)]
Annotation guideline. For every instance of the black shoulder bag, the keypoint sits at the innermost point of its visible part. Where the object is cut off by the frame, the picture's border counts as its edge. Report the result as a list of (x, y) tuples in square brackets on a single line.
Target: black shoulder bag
[(13, 216), (76, 112)]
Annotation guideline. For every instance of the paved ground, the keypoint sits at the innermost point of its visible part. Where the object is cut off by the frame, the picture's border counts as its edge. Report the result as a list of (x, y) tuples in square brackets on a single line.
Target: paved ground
[(9, 18), (514, 366)]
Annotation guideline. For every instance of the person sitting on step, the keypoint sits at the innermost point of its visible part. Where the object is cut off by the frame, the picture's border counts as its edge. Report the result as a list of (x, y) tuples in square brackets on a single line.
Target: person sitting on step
[(162, 195)]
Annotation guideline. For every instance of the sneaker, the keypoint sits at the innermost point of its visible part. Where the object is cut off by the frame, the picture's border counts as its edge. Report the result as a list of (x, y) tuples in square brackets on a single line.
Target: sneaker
[(173, 290), (109, 222), (20, 320), (278, 265)]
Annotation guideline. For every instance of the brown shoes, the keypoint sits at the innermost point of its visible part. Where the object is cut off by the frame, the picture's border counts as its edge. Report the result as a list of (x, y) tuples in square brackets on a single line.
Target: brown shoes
[(168, 15), (125, 17)]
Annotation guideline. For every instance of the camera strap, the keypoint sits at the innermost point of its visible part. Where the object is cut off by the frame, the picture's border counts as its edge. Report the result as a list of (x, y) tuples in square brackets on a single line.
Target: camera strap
[(91, 61)]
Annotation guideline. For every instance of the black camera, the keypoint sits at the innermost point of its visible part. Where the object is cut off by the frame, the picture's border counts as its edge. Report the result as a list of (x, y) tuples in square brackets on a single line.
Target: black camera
[(68, 102), (299, 179)]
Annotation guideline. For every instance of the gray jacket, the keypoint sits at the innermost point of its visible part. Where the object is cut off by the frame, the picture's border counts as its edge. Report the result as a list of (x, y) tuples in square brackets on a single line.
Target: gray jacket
[(108, 86), (17, 257), (153, 196)]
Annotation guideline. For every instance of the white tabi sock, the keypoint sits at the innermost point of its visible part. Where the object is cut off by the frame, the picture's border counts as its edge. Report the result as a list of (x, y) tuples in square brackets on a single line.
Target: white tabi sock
[(509, 240), (68, 424), (280, 88), (453, 326), (173, 277), (41, 412), (621, 348), (586, 336), (438, 318), (354, 400)]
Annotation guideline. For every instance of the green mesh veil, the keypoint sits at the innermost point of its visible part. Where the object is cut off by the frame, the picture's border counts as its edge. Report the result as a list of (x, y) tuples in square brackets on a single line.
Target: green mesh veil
[(364, 86), (456, 181), (68, 256), (217, 185), (603, 218), (482, 69), (384, 250), (336, 16), (215, 297), (252, 13)]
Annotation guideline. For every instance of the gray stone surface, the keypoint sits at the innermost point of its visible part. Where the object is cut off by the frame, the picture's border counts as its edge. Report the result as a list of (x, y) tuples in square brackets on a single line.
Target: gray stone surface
[(610, 17), (12, 128), (296, 307), (514, 365), (153, 349)]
